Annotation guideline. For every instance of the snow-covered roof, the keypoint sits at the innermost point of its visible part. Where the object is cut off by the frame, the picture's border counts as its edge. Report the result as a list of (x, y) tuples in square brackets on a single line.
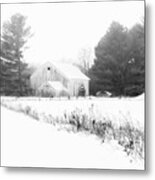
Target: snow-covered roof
[(56, 85), (69, 71)]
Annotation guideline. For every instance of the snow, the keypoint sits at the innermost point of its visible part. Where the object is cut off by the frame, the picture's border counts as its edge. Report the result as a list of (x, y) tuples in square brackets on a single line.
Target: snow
[(115, 109), (70, 71), (56, 85), (30, 143)]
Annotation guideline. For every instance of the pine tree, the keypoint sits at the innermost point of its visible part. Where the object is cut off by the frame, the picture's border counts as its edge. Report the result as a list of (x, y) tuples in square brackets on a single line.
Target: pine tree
[(119, 65), (14, 37), (135, 76)]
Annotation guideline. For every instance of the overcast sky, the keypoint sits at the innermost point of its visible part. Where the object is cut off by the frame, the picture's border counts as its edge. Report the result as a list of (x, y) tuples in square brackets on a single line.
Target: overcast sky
[(62, 29)]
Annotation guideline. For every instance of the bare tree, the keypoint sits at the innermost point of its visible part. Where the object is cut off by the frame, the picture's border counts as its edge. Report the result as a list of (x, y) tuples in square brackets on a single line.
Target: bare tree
[(85, 59)]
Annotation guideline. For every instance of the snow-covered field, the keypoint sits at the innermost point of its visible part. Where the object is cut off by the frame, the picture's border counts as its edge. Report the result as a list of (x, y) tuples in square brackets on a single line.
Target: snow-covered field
[(115, 109), (26, 142)]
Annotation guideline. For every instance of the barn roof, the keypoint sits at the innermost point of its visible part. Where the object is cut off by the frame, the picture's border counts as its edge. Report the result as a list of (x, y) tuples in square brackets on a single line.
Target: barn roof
[(56, 85), (69, 71)]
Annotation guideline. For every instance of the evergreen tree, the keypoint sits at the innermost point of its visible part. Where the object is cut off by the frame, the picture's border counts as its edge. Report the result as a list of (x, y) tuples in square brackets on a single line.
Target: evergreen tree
[(118, 64), (14, 37), (135, 75)]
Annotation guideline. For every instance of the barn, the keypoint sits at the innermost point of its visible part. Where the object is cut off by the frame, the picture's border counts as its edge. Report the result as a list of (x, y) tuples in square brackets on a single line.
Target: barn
[(59, 79)]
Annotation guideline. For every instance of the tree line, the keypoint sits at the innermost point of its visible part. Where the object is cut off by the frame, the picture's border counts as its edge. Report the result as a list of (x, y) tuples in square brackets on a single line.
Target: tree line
[(119, 64)]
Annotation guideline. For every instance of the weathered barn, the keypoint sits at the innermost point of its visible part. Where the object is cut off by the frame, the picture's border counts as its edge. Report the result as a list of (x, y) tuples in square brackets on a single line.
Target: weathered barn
[(57, 79)]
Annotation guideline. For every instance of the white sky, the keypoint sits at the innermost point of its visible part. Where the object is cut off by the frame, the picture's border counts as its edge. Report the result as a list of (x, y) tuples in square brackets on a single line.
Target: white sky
[(61, 30)]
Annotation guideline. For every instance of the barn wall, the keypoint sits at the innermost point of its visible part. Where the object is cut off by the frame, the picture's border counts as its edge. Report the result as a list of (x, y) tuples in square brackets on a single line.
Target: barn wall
[(56, 76), (86, 84), (74, 85), (39, 77), (43, 75)]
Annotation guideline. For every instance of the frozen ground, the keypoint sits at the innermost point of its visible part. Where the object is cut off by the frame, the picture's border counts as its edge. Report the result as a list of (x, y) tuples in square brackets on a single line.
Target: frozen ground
[(26, 142), (115, 109)]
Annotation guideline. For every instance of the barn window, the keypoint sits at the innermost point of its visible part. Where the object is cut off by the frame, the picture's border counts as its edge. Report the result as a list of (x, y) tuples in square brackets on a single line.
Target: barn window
[(48, 68)]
